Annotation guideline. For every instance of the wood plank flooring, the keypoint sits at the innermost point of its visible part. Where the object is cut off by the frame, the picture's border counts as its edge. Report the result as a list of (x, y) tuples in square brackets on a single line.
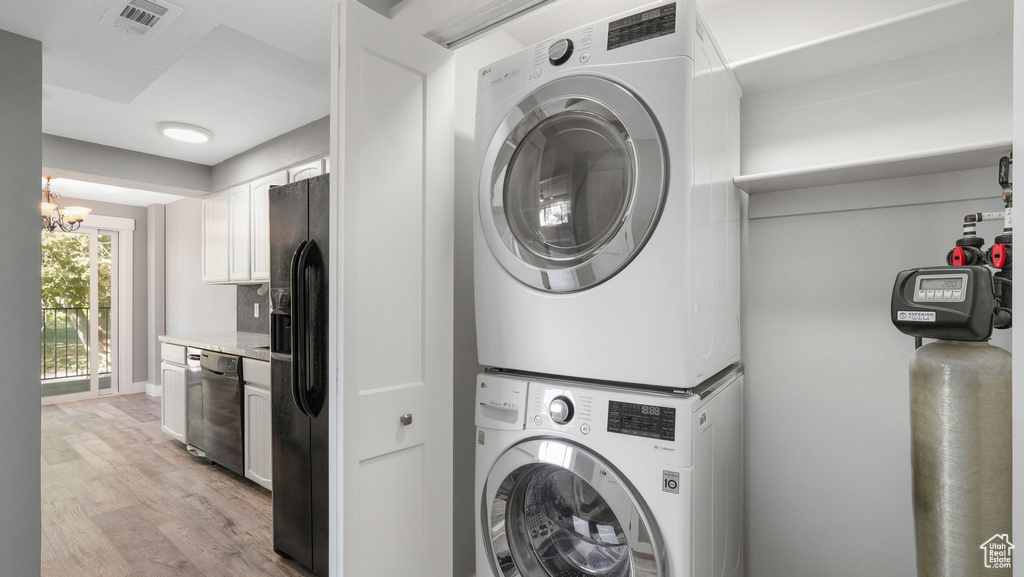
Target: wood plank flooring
[(120, 498)]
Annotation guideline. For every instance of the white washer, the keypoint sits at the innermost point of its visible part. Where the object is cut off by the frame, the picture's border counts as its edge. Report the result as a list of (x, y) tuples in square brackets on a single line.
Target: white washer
[(574, 480), (607, 232)]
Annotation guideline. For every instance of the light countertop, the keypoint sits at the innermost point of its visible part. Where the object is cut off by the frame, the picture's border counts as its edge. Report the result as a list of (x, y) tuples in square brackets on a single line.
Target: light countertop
[(231, 343)]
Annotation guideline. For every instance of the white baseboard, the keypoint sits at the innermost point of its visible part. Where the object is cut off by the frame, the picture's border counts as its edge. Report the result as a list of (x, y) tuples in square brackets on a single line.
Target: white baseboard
[(139, 387), (154, 390)]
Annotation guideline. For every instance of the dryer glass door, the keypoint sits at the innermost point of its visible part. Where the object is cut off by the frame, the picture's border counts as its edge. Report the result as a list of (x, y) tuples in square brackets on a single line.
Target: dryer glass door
[(579, 177), (556, 509)]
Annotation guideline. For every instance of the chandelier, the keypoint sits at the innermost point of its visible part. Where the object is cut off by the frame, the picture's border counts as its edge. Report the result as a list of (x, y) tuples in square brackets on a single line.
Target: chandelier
[(67, 219)]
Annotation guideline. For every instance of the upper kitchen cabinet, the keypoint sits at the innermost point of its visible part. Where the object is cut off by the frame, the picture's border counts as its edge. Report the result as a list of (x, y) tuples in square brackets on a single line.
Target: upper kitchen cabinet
[(216, 217), (308, 170), (259, 190), (239, 229)]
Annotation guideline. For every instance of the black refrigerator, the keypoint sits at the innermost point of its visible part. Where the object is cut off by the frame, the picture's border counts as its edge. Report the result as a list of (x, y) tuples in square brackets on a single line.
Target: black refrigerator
[(299, 241)]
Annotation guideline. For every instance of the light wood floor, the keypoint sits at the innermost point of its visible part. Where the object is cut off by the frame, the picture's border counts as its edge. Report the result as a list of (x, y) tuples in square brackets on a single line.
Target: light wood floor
[(122, 499)]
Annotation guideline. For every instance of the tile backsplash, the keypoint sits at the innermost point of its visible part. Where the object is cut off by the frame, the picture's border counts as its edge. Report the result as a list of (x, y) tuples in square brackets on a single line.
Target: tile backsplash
[(248, 295)]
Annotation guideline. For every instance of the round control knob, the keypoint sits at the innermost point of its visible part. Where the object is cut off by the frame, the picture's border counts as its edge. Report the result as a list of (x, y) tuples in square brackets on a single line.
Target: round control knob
[(560, 410), (560, 51)]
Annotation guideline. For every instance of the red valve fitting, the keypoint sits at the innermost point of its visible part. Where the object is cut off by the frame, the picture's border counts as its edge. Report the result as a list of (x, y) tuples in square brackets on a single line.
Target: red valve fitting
[(999, 255), (957, 257)]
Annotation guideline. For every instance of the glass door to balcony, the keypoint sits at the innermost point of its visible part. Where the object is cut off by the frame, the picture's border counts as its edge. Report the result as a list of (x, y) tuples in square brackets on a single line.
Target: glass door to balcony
[(78, 317)]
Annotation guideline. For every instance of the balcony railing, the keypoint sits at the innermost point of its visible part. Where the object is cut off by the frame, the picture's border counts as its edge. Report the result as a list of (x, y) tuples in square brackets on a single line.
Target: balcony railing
[(65, 342)]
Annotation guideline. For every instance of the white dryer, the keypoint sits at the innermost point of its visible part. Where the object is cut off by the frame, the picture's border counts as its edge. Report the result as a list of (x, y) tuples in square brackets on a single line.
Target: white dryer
[(580, 481), (607, 232)]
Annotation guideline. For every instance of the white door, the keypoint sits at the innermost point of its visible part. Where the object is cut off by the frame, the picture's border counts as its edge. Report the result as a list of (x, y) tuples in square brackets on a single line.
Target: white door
[(258, 444), (239, 205), (215, 237), (173, 418), (392, 150), (260, 192)]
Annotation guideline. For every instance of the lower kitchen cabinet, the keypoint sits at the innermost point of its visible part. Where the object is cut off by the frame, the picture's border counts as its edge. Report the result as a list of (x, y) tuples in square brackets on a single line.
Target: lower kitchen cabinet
[(173, 411), (258, 466)]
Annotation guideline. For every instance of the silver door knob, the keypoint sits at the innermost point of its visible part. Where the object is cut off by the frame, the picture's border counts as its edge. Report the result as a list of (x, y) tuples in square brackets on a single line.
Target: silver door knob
[(406, 419)]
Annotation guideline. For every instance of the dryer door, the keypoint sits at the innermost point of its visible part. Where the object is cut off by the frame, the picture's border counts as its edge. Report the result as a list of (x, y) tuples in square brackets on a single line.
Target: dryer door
[(551, 507), (578, 175)]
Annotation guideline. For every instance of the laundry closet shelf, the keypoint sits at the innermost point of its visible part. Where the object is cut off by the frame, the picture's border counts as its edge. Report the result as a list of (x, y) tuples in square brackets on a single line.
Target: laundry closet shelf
[(919, 32), (975, 155)]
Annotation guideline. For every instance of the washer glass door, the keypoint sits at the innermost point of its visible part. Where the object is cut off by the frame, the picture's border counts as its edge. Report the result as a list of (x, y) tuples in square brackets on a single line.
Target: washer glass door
[(559, 510), (579, 177)]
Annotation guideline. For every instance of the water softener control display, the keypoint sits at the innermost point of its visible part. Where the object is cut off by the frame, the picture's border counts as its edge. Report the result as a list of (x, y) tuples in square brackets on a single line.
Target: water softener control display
[(639, 420), (950, 303), (940, 288)]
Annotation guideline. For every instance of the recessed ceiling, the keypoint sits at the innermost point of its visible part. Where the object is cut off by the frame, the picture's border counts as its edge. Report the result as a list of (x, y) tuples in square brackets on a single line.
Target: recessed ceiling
[(78, 189), (248, 70)]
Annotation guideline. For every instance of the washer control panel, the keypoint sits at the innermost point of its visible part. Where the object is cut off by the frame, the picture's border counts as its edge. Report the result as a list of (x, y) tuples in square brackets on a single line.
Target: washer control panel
[(649, 421)]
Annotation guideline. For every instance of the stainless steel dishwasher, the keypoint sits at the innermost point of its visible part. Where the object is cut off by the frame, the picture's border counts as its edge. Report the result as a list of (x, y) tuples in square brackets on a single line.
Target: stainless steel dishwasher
[(222, 409)]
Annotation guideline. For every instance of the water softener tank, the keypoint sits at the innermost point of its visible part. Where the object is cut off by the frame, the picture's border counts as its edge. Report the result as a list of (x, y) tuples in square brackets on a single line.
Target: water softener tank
[(961, 457)]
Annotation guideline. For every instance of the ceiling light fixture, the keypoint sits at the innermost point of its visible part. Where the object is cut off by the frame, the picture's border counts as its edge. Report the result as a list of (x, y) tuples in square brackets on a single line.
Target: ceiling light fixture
[(67, 219), (185, 132)]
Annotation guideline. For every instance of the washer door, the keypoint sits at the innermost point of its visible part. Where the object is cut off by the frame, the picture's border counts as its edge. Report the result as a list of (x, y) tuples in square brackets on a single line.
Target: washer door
[(578, 179), (553, 508)]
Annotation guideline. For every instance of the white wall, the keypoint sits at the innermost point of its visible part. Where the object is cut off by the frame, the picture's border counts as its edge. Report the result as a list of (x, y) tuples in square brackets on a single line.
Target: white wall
[(140, 280), (191, 306), (1018, 349), (21, 68), (468, 62), (827, 398), (949, 97)]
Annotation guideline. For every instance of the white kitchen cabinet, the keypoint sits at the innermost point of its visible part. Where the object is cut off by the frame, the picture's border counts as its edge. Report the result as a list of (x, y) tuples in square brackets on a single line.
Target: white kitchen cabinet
[(239, 240), (259, 190), (304, 171), (258, 435), (216, 225), (173, 417)]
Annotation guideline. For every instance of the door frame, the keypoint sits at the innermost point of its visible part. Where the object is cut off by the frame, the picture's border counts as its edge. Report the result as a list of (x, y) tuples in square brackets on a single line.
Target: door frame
[(122, 314)]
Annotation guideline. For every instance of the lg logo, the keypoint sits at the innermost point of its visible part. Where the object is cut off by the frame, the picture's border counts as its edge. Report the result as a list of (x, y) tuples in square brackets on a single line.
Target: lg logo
[(670, 482)]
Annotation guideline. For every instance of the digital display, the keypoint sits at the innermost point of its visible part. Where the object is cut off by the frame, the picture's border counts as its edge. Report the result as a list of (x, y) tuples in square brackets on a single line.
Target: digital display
[(952, 283), (643, 26), (648, 421)]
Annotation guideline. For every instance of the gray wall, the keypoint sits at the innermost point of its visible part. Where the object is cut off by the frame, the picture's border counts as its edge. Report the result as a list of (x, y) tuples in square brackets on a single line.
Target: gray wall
[(21, 97), (827, 402), (1018, 395), (69, 158), (304, 143), (191, 306), (140, 280), (156, 275), (245, 317)]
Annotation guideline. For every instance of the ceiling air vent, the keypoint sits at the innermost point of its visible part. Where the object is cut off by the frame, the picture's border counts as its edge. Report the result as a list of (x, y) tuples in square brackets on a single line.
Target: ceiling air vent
[(147, 18)]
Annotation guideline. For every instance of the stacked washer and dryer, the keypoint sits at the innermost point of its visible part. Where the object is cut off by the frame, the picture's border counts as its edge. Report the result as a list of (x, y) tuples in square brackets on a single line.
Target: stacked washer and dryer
[(606, 255)]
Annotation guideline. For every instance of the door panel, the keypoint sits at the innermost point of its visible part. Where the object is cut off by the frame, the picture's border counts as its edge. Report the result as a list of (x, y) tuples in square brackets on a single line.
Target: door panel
[(260, 192), (239, 204), (173, 400), (392, 149), (258, 456)]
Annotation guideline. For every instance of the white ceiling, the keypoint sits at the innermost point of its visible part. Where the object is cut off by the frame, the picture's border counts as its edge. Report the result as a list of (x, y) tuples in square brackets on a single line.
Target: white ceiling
[(248, 70), (743, 28), (77, 189)]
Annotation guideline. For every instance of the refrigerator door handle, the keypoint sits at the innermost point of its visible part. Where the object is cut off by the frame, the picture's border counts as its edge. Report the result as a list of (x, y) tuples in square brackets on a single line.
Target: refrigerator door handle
[(301, 297), (312, 358), (298, 368)]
